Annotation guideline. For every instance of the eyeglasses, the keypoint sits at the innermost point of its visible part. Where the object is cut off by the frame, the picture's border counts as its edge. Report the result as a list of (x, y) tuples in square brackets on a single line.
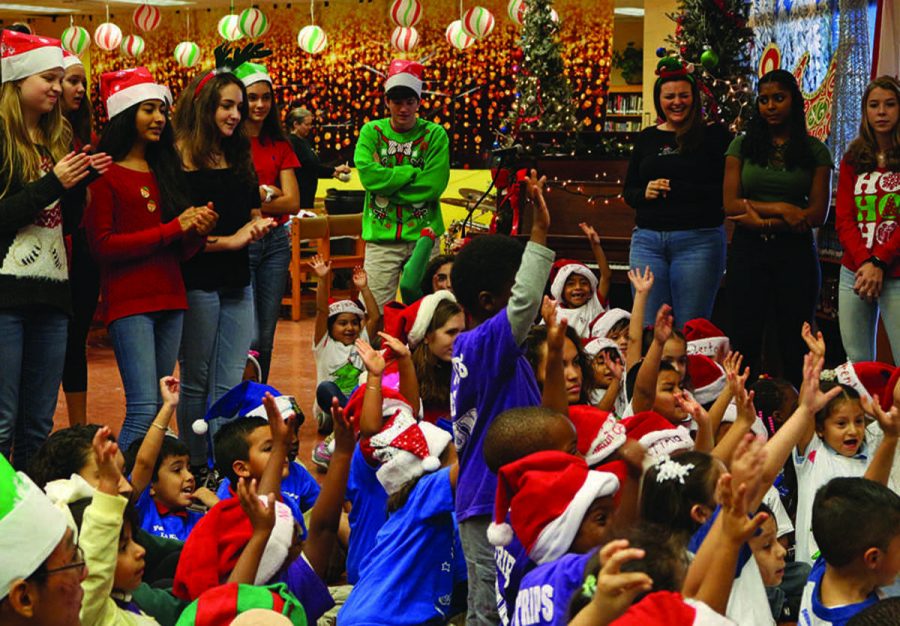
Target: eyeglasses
[(78, 564)]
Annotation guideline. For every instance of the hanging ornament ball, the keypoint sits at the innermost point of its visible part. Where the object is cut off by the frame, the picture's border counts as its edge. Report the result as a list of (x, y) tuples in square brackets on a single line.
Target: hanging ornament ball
[(517, 54), (187, 53), (253, 23), (75, 39), (312, 39), (709, 59), (406, 13), (229, 28), (457, 37), (478, 22), (146, 17), (108, 36), (516, 11), (404, 39), (660, 52), (133, 46)]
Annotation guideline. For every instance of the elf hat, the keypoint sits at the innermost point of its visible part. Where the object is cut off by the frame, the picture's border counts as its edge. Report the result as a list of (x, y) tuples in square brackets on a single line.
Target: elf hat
[(669, 608), (24, 55), (24, 544), (392, 403), (560, 272), (757, 428), (250, 73), (546, 495), (425, 308), (657, 434), (601, 326), (867, 377), (707, 376), (406, 449), (70, 60), (887, 396), (595, 346), (704, 337), (404, 74), (126, 88), (216, 542), (223, 604), (599, 433), (336, 307)]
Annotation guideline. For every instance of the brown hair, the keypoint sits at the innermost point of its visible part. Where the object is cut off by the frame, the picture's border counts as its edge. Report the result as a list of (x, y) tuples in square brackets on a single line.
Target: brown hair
[(862, 151), (432, 373), (81, 118), (690, 135)]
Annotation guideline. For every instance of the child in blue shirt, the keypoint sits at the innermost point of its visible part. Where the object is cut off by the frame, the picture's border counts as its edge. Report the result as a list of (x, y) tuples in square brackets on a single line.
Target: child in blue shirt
[(500, 289)]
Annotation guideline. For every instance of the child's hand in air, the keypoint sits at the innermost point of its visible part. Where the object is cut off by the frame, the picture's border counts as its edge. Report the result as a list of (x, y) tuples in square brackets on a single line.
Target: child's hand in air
[(169, 388), (662, 328), (360, 278), (613, 589), (590, 233), (811, 396), (372, 358), (344, 437), (747, 465), (642, 283), (400, 349), (556, 329), (105, 457), (737, 526), (815, 343), (320, 266), (261, 516), (888, 420), (280, 428)]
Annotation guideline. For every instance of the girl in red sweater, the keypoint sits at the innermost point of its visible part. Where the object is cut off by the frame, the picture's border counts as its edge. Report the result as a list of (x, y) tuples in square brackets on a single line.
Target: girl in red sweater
[(868, 200), (140, 226)]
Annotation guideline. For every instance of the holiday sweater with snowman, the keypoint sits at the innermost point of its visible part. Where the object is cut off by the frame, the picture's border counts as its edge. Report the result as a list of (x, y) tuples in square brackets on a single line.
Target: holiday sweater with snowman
[(33, 266), (404, 175), (866, 219)]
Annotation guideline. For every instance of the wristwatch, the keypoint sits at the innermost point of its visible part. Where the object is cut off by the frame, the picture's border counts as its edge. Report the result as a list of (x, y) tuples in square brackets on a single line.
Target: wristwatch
[(874, 260)]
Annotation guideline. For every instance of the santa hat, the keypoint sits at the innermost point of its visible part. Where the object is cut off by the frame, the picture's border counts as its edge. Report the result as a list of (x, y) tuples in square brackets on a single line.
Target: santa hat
[(70, 60), (601, 326), (424, 313), (405, 74), (546, 495), (669, 608), (704, 337), (560, 272), (707, 377), (599, 433), (25, 544), (24, 55), (392, 403), (657, 434), (216, 542), (336, 307), (757, 428), (887, 396), (867, 377), (223, 604), (250, 73), (126, 88), (595, 346)]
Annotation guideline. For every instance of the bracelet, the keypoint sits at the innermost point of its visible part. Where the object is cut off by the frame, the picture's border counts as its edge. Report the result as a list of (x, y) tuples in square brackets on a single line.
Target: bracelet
[(373, 388), (880, 264), (589, 586), (162, 428)]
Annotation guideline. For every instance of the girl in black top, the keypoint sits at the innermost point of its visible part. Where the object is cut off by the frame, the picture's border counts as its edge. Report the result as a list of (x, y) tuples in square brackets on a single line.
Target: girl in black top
[(674, 183)]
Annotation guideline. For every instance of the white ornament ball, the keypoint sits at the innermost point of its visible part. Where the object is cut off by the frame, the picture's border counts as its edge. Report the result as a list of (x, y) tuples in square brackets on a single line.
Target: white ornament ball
[(457, 37), (344, 177), (516, 11), (253, 23), (133, 46), (229, 28), (187, 53), (75, 39), (108, 36), (312, 39), (200, 427), (406, 13), (404, 39), (146, 17), (478, 22)]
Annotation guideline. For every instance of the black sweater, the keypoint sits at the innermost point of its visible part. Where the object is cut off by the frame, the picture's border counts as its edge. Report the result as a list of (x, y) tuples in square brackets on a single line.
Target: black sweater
[(695, 200), (310, 170)]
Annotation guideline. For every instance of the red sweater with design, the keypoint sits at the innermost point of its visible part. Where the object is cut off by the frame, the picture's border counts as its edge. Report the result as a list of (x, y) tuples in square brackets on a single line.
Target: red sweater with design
[(868, 210), (139, 255)]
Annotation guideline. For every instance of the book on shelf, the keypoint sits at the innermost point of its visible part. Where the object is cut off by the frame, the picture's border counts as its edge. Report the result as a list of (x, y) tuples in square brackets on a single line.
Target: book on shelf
[(615, 126), (625, 104)]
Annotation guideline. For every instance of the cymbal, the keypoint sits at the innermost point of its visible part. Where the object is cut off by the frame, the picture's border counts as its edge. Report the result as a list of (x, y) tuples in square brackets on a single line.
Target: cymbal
[(486, 205), (473, 194)]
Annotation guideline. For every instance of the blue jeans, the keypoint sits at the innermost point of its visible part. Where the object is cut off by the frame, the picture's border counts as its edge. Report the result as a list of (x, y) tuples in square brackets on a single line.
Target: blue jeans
[(32, 354), (687, 267), (218, 327), (270, 258), (146, 348), (859, 319), (481, 570)]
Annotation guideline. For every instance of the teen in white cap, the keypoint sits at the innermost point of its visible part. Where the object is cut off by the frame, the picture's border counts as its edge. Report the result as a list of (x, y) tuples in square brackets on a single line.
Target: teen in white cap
[(36, 168)]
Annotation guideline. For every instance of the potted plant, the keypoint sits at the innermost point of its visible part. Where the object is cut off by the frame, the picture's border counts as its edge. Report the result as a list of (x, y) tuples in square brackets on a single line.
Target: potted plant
[(631, 63)]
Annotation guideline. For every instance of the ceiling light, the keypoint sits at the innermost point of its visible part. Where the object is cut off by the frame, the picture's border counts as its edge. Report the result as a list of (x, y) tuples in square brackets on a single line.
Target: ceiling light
[(629, 11)]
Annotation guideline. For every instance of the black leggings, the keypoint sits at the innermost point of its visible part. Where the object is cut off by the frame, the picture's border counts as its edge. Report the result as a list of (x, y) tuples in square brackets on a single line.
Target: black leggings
[(84, 280), (780, 271)]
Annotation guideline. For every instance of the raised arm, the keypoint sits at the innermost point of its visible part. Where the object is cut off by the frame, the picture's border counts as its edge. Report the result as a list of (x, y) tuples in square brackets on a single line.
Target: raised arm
[(406, 369), (371, 419), (147, 454), (280, 430), (373, 314), (645, 385), (879, 469), (642, 283), (600, 258), (554, 391), (322, 268), (262, 520)]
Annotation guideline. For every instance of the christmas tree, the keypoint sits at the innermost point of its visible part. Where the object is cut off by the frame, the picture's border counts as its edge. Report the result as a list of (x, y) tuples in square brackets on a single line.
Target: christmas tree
[(713, 35), (543, 95)]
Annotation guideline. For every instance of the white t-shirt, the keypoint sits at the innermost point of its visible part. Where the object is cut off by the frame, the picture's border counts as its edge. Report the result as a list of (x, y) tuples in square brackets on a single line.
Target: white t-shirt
[(339, 363), (620, 406), (874, 435), (782, 520), (819, 465)]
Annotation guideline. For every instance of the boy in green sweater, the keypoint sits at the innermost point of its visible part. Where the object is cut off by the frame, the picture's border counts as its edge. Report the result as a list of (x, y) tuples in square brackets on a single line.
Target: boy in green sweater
[(404, 165)]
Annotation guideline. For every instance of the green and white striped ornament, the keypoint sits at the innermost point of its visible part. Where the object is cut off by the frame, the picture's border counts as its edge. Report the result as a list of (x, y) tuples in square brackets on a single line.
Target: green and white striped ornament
[(229, 28), (312, 39), (187, 53), (253, 23), (76, 40)]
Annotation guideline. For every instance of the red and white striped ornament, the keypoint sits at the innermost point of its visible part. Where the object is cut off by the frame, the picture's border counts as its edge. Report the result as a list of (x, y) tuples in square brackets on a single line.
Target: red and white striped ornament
[(75, 39), (133, 46), (146, 17), (478, 22), (312, 39), (108, 36), (229, 28), (253, 23), (457, 37), (406, 13), (404, 39), (187, 53), (516, 11)]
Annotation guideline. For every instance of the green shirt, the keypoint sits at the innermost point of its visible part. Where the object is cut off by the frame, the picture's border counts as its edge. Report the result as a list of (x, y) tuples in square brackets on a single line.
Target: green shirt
[(405, 182), (772, 184)]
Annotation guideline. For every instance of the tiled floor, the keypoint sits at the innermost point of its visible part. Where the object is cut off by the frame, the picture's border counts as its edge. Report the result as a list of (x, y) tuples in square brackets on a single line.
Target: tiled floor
[(293, 372)]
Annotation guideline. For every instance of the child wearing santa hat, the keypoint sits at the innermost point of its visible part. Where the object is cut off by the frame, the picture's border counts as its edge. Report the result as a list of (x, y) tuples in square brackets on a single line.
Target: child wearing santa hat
[(704, 337), (608, 365)]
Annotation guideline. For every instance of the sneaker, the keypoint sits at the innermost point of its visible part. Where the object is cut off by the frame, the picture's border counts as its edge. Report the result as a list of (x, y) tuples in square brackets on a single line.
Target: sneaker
[(321, 455), (324, 420), (252, 369)]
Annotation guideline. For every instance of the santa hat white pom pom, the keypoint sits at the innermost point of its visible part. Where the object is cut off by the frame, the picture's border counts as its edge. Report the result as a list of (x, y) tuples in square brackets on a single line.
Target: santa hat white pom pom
[(200, 427), (500, 534), (431, 464)]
